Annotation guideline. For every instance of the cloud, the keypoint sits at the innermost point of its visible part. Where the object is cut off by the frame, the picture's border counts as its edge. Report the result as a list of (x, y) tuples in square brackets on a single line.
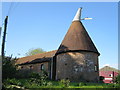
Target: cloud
[(106, 65), (112, 65)]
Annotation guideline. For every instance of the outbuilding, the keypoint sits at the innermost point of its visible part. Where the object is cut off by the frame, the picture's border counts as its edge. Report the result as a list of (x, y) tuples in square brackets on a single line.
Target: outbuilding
[(76, 58)]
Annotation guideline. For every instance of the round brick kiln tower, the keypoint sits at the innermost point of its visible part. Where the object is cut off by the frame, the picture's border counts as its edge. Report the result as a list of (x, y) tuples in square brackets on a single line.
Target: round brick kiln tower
[(77, 56)]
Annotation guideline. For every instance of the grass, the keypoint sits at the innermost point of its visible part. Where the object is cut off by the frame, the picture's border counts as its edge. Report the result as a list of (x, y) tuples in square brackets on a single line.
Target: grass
[(26, 83)]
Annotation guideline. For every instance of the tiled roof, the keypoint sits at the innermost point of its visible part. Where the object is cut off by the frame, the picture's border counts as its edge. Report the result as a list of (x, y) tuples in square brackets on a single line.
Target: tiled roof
[(35, 57), (108, 68), (77, 38)]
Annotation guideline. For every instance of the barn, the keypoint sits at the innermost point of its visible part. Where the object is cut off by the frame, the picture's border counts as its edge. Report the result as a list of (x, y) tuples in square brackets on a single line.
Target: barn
[(108, 73), (76, 58)]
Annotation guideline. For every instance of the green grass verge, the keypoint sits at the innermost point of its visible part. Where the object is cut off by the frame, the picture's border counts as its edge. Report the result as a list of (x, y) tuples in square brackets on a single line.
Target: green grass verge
[(26, 83)]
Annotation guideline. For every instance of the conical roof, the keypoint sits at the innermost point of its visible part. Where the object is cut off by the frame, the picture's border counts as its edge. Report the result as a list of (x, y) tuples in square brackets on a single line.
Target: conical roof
[(77, 38)]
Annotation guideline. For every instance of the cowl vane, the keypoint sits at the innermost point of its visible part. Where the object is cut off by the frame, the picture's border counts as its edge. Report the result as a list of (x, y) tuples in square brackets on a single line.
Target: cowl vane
[(78, 15)]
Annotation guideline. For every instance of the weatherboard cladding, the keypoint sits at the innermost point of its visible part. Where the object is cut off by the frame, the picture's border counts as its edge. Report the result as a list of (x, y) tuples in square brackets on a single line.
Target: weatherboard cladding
[(77, 38)]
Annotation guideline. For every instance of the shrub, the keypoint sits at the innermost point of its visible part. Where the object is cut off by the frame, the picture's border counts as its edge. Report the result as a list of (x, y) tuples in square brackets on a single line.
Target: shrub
[(111, 85), (49, 84), (8, 69), (34, 75), (117, 79), (23, 74), (117, 85), (13, 81), (39, 78), (81, 84), (64, 83), (101, 78)]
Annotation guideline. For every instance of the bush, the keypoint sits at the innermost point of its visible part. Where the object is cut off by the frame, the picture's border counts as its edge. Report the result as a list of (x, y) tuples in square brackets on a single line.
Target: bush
[(8, 69), (12, 82), (81, 84), (39, 78), (101, 79), (117, 85), (64, 83), (117, 79), (26, 73), (23, 74), (49, 84), (111, 85), (34, 75)]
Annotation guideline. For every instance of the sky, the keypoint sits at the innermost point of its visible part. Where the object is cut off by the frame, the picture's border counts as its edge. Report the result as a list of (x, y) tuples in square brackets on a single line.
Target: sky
[(44, 25)]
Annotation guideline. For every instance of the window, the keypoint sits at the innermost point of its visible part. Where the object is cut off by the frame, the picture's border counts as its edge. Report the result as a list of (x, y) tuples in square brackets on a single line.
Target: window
[(111, 75), (21, 67), (31, 66), (42, 67), (95, 68)]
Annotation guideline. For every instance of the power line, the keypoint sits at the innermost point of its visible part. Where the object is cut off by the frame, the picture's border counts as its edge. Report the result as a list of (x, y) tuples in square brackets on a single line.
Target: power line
[(10, 8), (15, 5)]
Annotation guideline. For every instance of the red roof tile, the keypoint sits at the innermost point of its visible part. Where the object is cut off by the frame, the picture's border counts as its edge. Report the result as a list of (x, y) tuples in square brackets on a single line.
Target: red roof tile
[(36, 56)]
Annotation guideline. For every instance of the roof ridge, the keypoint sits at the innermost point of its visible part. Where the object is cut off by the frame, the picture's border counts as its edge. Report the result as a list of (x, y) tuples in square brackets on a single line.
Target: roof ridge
[(38, 54), (110, 68)]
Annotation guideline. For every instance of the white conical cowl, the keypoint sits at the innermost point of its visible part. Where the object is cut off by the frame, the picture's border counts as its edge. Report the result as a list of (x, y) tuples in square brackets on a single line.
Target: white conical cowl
[(78, 15)]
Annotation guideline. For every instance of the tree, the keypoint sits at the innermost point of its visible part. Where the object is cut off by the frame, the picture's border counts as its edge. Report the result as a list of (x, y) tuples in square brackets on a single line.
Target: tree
[(8, 68), (34, 51)]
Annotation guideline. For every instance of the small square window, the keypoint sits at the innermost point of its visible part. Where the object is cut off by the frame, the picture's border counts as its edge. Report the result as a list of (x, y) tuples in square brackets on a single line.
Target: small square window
[(96, 69), (42, 67), (111, 75), (31, 66)]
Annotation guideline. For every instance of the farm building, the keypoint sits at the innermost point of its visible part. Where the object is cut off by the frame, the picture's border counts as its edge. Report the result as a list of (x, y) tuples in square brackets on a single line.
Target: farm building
[(108, 73), (76, 58)]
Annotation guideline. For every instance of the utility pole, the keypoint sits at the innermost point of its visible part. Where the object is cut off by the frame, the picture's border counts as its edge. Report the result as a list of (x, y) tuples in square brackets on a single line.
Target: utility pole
[(4, 37)]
